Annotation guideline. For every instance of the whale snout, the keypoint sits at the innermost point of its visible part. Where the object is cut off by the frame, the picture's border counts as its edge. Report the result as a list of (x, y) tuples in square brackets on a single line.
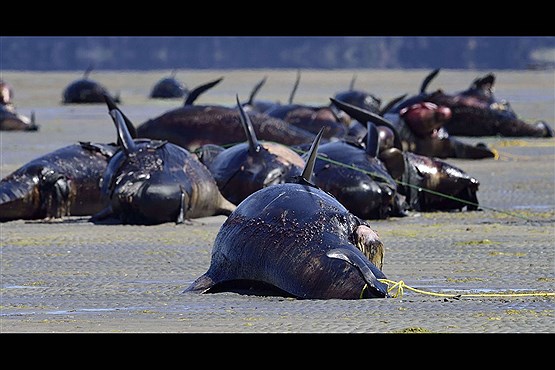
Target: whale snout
[(149, 202)]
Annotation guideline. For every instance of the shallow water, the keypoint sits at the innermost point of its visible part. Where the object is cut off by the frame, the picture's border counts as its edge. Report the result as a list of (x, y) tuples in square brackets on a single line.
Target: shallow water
[(531, 94), (72, 276)]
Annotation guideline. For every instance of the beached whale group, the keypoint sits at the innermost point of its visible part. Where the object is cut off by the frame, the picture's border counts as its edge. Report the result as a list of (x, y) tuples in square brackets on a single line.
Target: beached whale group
[(297, 183)]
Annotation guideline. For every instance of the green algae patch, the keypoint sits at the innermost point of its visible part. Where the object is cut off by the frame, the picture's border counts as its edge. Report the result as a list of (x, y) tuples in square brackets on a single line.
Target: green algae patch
[(19, 306), (477, 242), (35, 283), (413, 330), (529, 312), (510, 143), (514, 254), (463, 280), (403, 233), (56, 321), (529, 215)]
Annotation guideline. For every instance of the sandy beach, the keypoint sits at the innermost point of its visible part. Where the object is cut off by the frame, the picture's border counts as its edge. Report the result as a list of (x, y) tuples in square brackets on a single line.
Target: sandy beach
[(489, 271)]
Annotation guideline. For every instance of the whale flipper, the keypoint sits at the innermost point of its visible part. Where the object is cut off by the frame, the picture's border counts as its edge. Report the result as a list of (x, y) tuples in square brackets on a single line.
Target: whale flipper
[(366, 269)]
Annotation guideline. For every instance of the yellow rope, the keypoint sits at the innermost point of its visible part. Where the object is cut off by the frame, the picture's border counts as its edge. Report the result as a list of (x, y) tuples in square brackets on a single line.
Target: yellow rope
[(495, 153), (537, 144), (521, 143), (400, 285)]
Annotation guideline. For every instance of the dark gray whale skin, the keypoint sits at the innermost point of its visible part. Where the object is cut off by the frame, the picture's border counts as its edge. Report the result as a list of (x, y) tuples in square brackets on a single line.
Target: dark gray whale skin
[(150, 182), (192, 126), (244, 168), (367, 196), (439, 176), (419, 171), (280, 236), (477, 112), (10, 120), (297, 240), (168, 88), (62, 183), (86, 91)]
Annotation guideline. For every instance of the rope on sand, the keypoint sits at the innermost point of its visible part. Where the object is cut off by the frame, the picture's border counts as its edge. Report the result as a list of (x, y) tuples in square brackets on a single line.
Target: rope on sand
[(400, 285), (520, 143)]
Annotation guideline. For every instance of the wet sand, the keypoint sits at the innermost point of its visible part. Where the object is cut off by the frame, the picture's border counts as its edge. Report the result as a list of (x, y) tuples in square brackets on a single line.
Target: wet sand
[(73, 276)]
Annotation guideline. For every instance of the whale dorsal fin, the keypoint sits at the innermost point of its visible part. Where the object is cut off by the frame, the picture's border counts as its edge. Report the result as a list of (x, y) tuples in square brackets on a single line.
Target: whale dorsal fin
[(87, 72), (33, 124), (362, 115), (254, 145), (295, 86), (372, 140), (125, 138), (111, 106), (256, 89), (427, 80), (391, 103), (352, 84), (194, 94), (309, 164)]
